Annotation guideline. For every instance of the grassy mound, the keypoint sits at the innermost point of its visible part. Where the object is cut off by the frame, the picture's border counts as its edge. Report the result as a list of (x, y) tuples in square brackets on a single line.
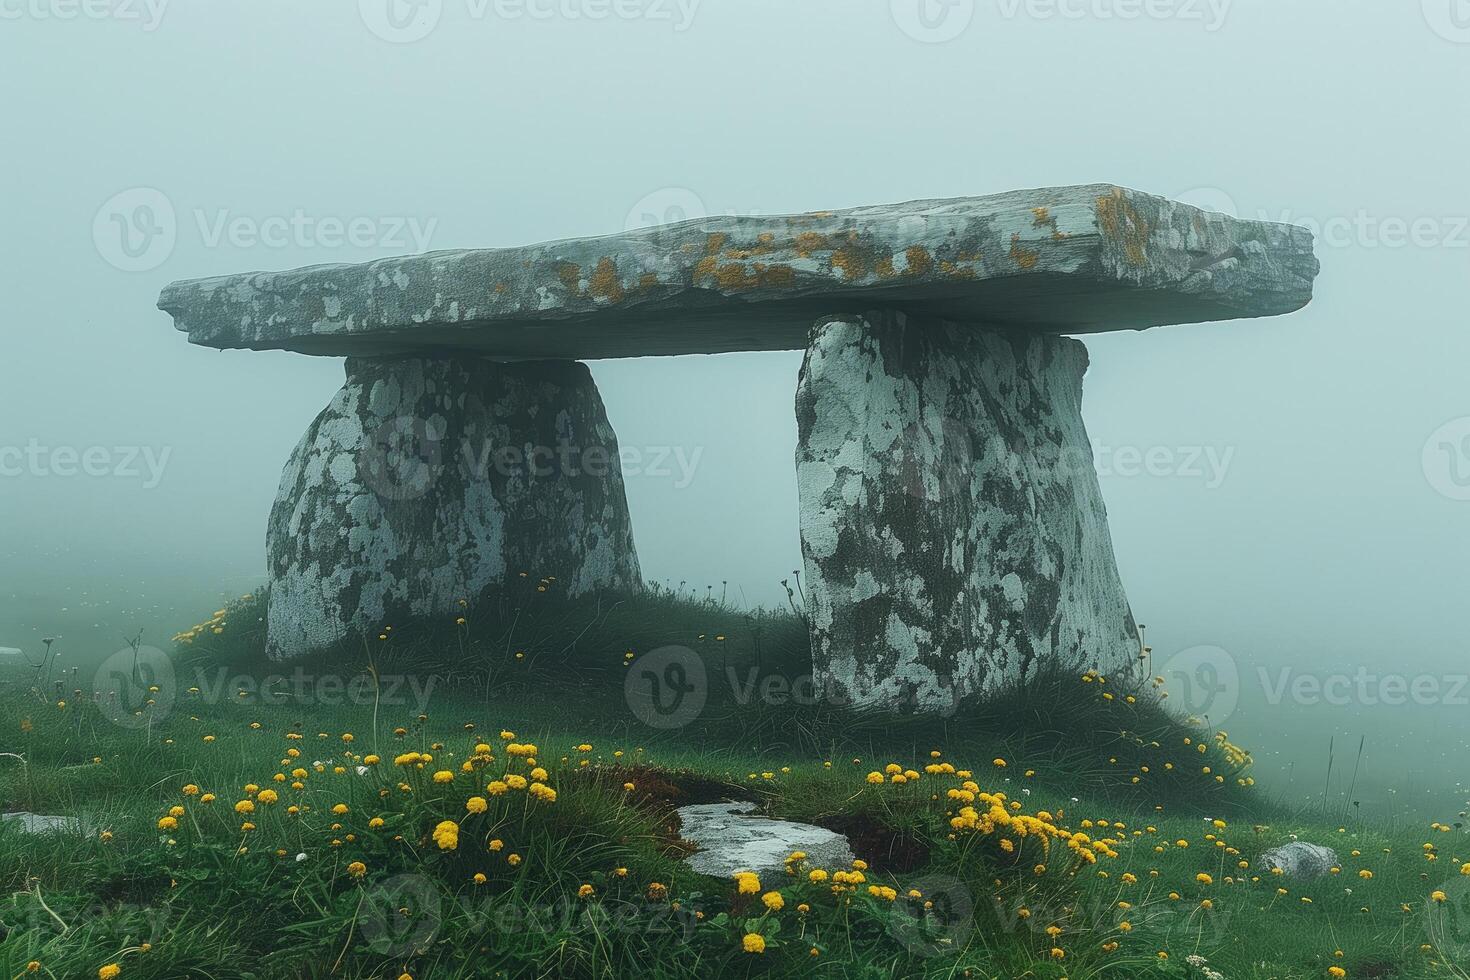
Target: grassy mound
[(478, 798)]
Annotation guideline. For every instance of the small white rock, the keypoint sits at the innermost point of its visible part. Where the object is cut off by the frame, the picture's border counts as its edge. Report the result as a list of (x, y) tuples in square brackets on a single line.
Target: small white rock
[(1300, 860), (732, 839)]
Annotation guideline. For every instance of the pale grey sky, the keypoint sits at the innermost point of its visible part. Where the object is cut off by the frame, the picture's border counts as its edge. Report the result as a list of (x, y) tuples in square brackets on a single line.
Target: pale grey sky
[(1291, 513)]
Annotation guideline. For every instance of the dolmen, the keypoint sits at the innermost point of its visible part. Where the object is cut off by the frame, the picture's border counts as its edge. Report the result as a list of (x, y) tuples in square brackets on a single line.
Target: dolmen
[(952, 526)]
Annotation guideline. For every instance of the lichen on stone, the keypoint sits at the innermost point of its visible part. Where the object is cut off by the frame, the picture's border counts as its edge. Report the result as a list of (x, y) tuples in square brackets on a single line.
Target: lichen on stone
[(416, 488), (952, 525)]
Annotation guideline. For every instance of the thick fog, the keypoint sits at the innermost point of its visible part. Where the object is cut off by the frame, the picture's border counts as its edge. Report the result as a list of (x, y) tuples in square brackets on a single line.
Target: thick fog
[(1293, 491)]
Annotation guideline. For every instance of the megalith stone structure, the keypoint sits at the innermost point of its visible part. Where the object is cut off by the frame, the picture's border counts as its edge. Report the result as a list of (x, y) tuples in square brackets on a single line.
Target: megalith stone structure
[(951, 520), (429, 480), (952, 526)]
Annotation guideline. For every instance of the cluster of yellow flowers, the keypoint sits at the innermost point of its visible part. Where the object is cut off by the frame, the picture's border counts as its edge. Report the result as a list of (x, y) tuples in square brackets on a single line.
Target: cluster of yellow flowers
[(294, 793), (446, 835), (986, 814), (214, 625), (998, 817), (1234, 754)]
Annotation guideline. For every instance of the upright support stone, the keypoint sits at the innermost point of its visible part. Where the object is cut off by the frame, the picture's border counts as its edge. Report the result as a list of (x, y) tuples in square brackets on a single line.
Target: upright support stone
[(428, 480), (952, 525)]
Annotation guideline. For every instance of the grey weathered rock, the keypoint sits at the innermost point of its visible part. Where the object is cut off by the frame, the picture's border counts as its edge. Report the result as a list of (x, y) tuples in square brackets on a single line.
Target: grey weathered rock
[(731, 839), (431, 480), (38, 823), (1065, 259), (1300, 860), (953, 528)]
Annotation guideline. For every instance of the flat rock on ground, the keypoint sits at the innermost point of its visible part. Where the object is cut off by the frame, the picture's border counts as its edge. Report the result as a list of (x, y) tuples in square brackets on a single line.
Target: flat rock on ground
[(37, 823), (1054, 260), (732, 838), (1300, 860)]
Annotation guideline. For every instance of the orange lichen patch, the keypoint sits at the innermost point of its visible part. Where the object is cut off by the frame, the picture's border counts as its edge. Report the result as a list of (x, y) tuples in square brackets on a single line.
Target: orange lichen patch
[(605, 283), (776, 275), (851, 261), (501, 287), (920, 261), (1044, 219), (1024, 257), (808, 242), (1121, 221), (707, 266), (736, 276), (883, 269), (570, 275), (647, 281), (766, 238), (763, 247)]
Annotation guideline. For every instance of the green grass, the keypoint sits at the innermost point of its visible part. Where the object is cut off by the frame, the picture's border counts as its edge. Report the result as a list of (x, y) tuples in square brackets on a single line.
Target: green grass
[(1104, 767)]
